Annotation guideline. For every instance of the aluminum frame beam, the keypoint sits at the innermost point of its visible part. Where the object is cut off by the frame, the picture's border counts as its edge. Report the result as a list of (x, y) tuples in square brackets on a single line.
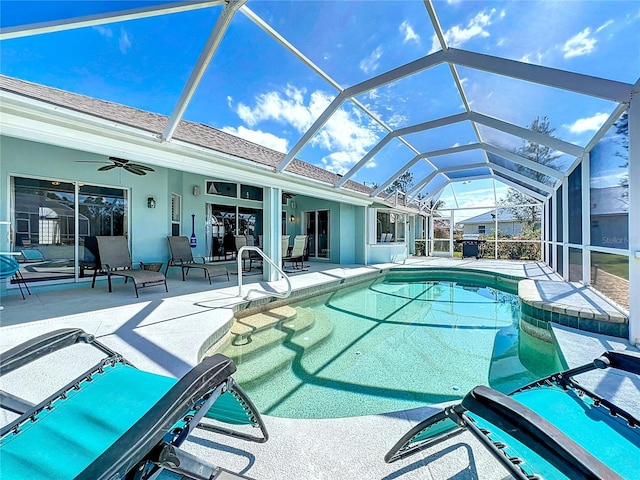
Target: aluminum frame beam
[(551, 77), (103, 18), (201, 65), (525, 162)]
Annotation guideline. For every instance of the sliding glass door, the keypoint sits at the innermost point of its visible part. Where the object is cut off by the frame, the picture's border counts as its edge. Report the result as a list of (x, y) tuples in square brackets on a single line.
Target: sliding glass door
[(51, 220), (317, 229)]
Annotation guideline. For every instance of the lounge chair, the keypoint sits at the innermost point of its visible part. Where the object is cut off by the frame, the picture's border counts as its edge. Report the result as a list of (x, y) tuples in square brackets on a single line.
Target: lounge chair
[(182, 256), (115, 421), (247, 255), (552, 428), (296, 257), (115, 259)]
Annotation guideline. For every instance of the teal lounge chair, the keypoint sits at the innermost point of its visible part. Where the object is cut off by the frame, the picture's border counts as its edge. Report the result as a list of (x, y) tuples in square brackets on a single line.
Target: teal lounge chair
[(550, 429), (115, 421)]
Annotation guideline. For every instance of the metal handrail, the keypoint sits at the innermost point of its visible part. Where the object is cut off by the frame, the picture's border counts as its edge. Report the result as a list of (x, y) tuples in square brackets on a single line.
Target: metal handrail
[(265, 257)]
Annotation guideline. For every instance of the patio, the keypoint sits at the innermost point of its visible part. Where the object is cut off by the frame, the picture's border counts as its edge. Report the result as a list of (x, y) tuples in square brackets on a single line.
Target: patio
[(169, 333)]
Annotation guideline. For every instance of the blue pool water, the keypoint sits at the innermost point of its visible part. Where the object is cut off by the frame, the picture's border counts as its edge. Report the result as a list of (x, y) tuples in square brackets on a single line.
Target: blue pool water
[(390, 345)]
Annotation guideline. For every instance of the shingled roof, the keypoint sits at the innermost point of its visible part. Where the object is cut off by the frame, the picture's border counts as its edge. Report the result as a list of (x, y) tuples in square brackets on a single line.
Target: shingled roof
[(189, 132)]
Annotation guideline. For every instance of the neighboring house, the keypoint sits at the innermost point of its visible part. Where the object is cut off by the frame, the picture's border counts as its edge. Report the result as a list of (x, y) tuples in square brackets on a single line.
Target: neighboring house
[(610, 217), (485, 224)]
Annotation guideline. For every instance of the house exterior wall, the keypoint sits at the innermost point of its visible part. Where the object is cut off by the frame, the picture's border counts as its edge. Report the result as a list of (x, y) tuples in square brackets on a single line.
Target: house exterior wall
[(148, 227), (506, 228)]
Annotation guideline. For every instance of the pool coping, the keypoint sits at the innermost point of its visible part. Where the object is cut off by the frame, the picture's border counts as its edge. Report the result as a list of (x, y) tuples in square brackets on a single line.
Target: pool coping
[(543, 302)]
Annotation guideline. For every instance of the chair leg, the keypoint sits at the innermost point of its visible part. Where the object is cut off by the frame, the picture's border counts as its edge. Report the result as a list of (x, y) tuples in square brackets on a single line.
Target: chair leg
[(109, 280), (95, 272), (20, 278), (166, 289), (184, 278), (135, 286), (17, 280), (166, 270)]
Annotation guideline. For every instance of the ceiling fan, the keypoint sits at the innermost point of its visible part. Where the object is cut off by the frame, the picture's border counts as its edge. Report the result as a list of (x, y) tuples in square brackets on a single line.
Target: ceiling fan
[(134, 168)]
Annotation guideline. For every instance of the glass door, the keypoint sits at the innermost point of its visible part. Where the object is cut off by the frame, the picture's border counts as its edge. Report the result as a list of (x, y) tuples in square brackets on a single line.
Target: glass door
[(317, 229), (52, 217)]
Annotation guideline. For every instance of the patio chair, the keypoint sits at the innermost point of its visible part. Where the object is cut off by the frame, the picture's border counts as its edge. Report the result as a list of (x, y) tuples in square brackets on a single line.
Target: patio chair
[(182, 256), (10, 268), (115, 260), (551, 428), (297, 253), (115, 421), (243, 241), (285, 245)]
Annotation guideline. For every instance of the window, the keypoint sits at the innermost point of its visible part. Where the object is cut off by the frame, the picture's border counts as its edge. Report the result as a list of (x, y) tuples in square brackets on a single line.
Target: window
[(176, 214), (225, 189), (390, 226), (482, 229)]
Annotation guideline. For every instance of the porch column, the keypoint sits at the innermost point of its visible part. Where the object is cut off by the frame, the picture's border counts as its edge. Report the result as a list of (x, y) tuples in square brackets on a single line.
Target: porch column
[(271, 231)]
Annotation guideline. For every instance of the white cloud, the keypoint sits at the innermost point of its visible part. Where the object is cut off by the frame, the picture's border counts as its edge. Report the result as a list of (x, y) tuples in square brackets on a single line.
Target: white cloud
[(527, 57), (123, 42), (346, 134), (580, 44), (603, 26), (258, 136), (458, 35), (288, 108), (104, 31), (408, 33), (370, 64), (590, 124)]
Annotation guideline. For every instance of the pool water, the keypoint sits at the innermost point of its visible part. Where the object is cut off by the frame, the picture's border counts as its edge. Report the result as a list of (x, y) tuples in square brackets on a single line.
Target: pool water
[(390, 345)]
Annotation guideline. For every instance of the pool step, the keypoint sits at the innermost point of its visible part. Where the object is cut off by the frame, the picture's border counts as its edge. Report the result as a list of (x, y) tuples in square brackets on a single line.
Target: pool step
[(260, 321), (251, 335), (285, 342)]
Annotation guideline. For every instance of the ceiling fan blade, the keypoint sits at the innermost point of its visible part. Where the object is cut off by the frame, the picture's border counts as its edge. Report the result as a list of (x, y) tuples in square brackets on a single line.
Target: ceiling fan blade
[(120, 162), (132, 169), (106, 167), (141, 167)]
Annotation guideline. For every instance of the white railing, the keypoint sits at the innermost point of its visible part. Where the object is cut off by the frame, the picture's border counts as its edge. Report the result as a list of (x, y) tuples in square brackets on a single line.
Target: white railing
[(265, 257)]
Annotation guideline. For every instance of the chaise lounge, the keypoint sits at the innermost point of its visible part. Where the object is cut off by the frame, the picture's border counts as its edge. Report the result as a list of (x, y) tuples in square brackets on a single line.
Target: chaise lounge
[(115, 421), (182, 256), (552, 428), (115, 259)]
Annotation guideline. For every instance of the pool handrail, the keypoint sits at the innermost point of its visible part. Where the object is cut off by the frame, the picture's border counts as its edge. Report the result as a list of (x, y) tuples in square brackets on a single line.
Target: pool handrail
[(265, 257)]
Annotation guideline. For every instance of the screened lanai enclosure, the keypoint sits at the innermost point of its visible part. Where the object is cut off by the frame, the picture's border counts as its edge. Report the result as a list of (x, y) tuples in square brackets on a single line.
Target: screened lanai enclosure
[(515, 125)]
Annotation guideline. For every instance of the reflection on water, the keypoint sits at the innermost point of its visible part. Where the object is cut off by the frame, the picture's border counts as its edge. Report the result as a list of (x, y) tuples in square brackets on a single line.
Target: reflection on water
[(388, 346)]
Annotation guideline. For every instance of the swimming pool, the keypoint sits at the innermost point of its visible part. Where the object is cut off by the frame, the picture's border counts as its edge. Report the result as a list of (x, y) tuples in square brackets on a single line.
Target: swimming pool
[(388, 345)]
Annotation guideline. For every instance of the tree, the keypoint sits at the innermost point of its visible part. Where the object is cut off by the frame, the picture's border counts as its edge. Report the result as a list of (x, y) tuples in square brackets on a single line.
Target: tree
[(538, 153), (529, 215), (622, 130), (403, 183)]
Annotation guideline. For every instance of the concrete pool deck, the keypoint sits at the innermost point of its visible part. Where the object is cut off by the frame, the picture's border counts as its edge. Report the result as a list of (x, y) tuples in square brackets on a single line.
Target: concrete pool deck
[(167, 333)]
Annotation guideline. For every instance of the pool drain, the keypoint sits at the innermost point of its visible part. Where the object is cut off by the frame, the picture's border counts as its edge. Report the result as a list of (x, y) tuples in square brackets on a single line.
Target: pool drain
[(455, 388), (358, 352)]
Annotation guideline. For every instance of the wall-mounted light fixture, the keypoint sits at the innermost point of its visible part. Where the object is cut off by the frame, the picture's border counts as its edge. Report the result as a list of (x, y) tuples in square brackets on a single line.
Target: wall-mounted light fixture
[(292, 219), (196, 190), (151, 202)]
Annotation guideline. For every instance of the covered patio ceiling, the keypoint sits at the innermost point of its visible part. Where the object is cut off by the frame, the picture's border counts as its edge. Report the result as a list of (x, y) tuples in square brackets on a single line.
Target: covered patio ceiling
[(445, 92)]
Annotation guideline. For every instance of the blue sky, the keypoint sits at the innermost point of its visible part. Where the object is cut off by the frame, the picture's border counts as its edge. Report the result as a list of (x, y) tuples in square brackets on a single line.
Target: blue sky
[(256, 89)]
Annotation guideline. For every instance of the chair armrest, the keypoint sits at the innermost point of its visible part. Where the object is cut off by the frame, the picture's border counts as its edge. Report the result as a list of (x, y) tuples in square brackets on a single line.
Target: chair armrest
[(199, 257), (148, 432), (42, 345)]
